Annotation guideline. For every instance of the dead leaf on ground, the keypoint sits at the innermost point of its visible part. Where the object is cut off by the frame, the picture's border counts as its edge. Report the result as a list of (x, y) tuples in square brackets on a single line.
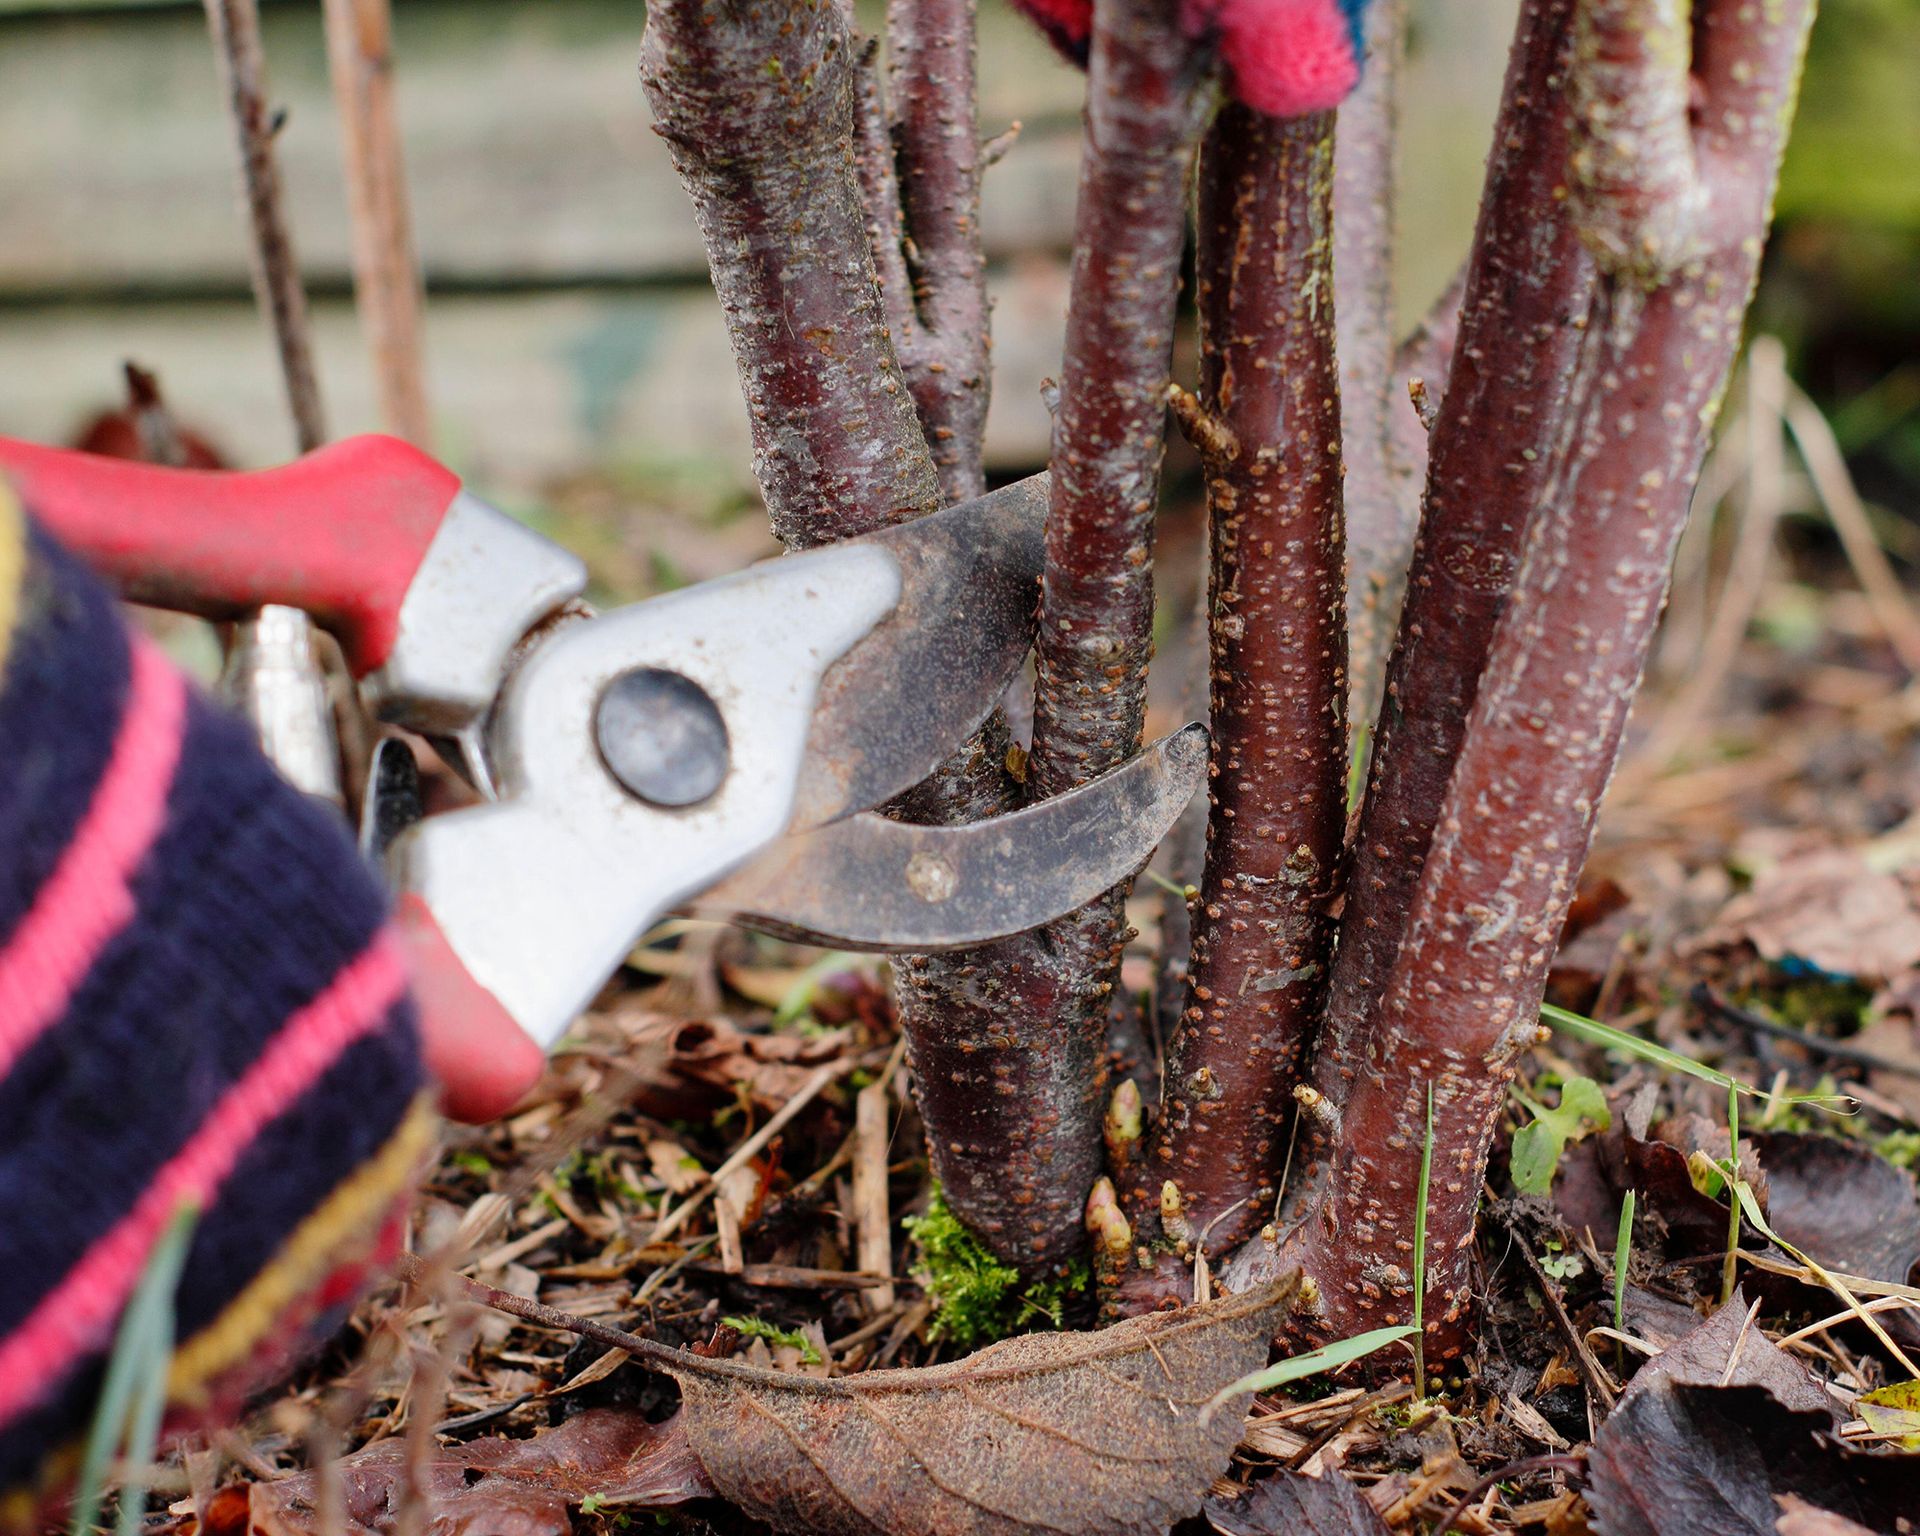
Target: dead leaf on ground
[(1894, 1037), (1799, 1518), (1597, 1172), (1728, 1350), (498, 1487), (1843, 1203), (1293, 1504), (685, 1068), (1894, 1411), (1828, 907), (1103, 1432), (1676, 1459)]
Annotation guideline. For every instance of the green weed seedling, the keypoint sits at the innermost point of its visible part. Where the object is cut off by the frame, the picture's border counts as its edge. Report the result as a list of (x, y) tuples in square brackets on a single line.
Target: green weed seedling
[(1538, 1145)]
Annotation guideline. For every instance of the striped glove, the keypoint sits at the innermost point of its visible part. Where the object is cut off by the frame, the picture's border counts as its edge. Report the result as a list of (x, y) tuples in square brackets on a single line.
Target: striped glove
[(201, 1003), (1283, 57)]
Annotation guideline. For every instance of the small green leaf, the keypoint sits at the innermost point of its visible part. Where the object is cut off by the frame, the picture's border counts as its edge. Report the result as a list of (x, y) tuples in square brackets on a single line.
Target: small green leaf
[(1622, 1252), (1537, 1147), (1329, 1357), (1536, 1154)]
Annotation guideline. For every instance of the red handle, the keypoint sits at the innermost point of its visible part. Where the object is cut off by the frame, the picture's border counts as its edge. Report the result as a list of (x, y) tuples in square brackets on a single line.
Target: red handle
[(340, 532)]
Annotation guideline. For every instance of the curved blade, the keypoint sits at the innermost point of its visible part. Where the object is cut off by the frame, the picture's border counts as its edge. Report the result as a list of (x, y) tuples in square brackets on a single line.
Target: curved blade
[(869, 883), (905, 696)]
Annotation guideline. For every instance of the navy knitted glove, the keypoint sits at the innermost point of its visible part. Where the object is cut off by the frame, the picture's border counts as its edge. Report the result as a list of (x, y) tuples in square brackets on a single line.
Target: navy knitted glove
[(201, 1003)]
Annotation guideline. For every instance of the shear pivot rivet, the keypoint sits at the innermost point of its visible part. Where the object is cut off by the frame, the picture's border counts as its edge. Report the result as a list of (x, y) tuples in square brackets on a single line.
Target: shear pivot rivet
[(930, 877), (662, 737)]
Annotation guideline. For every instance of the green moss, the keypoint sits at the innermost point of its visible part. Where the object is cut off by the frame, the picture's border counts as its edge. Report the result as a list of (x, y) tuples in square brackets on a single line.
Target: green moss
[(760, 1328), (1901, 1148), (1825, 1005), (976, 1298)]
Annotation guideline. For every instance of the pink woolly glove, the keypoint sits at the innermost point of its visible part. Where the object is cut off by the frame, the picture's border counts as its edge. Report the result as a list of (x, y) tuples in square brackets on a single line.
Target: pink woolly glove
[(1283, 57)]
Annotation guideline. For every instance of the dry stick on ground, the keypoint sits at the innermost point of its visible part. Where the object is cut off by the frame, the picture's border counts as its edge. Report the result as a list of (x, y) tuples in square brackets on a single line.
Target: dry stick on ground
[(755, 101), (1267, 426), (386, 277), (1527, 293), (1381, 514), (1672, 176)]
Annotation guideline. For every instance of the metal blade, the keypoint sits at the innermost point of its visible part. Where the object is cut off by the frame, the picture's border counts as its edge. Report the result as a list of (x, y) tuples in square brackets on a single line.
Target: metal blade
[(869, 883), (905, 697)]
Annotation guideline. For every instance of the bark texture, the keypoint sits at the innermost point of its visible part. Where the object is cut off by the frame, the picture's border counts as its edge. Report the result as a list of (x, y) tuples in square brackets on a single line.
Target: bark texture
[(755, 99), (934, 99), (1013, 1084), (1382, 495), (1267, 425), (1528, 289), (1676, 213), (1096, 602)]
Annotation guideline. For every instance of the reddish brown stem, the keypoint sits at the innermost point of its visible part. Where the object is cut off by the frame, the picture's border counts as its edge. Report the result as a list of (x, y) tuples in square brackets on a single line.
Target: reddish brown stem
[(936, 136), (755, 100), (1010, 1101), (1528, 287), (1096, 598), (1461, 1001), (1023, 1070), (1262, 935), (1382, 508)]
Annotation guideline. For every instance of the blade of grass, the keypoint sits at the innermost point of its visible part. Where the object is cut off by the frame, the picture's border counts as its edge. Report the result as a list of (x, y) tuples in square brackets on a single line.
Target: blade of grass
[(1420, 1255), (1329, 1357), (1606, 1036), (1731, 1263), (1622, 1252), (133, 1395)]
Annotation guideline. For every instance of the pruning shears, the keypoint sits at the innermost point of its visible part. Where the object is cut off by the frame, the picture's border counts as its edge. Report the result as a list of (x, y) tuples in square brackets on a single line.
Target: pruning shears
[(719, 749)]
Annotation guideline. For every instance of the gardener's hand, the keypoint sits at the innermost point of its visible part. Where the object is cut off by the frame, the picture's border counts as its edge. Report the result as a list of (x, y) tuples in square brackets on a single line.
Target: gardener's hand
[(1282, 57)]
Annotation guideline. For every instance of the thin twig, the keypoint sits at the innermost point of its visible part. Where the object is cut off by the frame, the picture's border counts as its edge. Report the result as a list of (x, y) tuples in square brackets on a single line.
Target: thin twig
[(1574, 1465), (276, 270), (752, 1146), (292, 715), (1828, 468), (386, 276), (1705, 998)]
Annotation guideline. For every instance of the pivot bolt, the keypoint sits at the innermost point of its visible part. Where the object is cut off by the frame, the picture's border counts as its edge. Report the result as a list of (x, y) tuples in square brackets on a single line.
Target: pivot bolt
[(662, 736)]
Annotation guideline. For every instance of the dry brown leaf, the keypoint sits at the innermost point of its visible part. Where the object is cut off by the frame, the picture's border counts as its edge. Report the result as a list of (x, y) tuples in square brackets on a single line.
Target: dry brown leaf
[(1828, 907), (1072, 1433), (1729, 1350), (1290, 1504), (1799, 1518), (497, 1487)]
